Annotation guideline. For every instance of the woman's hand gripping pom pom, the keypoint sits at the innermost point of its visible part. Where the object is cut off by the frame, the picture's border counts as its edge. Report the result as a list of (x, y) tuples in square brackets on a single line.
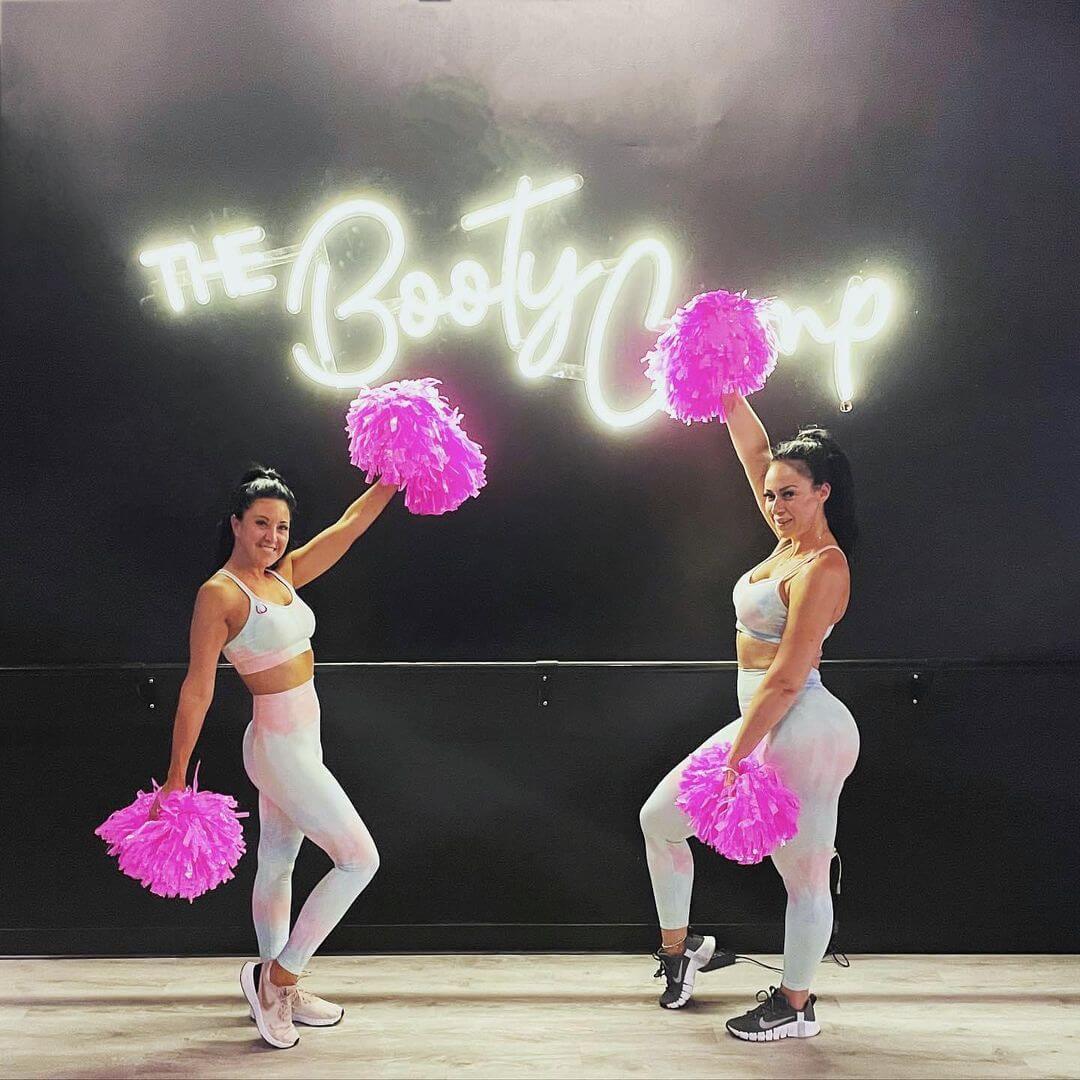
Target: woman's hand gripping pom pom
[(747, 819), (406, 433), (191, 848), (718, 343)]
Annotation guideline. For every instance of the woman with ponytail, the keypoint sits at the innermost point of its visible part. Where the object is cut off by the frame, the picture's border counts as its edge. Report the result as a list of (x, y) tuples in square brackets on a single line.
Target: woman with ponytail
[(250, 611), (785, 608)]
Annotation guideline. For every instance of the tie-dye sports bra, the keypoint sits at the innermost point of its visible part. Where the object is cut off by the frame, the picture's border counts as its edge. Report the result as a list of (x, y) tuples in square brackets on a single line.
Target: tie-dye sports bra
[(272, 634), (759, 611)]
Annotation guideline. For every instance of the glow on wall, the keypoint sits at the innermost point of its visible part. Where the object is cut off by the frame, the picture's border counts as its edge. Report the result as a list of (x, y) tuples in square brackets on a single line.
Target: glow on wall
[(536, 320)]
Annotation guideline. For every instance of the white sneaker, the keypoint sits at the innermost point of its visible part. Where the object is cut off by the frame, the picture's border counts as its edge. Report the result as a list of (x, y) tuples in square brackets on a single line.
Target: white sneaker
[(310, 1009), (271, 1005)]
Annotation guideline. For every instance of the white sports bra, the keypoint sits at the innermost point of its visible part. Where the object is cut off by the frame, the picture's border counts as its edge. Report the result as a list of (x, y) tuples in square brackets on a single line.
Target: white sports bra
[(759, 611), (272, 633)]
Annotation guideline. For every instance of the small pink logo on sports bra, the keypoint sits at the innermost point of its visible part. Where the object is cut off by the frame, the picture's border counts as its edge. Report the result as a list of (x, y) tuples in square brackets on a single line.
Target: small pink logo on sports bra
[(261, 609)]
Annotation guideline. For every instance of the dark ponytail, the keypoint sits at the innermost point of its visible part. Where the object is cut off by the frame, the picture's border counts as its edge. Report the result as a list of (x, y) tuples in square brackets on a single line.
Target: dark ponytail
[(256, 483), (826, 463)]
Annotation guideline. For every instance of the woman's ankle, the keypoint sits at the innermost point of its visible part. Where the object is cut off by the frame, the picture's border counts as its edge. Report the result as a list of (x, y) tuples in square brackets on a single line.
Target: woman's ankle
[(280, 976), (797, 999), (673, 942)]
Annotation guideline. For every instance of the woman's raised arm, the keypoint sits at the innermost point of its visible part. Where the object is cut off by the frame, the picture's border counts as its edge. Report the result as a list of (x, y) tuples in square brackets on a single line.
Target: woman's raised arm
[(320, 553), (751, 443)]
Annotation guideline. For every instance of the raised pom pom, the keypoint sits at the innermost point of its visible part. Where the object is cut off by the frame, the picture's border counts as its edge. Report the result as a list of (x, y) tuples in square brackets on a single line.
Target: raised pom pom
[(717, 343), (745, 821), (406, 433), (190, 849)]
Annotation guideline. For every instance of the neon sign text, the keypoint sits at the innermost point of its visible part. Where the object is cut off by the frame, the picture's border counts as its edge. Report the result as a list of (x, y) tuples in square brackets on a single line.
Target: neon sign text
[(241, 265)]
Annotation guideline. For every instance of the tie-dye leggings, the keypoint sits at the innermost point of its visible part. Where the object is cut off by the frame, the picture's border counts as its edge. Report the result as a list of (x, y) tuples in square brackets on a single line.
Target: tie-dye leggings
[(299, 797), (814, 747)]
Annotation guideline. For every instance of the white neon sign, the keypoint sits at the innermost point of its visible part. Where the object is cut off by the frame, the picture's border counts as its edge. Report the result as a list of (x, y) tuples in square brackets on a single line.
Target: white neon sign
[(421, 303), (362, 302), (851, 327)]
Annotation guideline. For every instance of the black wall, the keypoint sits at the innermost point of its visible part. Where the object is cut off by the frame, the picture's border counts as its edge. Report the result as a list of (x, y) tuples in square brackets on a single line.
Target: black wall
[(779, 147), (506, 823)]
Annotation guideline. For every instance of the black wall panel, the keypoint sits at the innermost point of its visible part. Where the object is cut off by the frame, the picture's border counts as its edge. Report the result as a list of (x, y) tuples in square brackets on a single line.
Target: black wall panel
[(503, 822)]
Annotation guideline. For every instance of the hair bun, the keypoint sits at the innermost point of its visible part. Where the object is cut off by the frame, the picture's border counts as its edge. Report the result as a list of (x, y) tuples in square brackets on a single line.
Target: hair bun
[(259, 472), (820, 437)]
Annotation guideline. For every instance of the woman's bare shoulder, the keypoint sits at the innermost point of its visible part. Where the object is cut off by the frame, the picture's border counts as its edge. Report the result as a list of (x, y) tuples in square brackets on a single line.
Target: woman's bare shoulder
[(217, 593)]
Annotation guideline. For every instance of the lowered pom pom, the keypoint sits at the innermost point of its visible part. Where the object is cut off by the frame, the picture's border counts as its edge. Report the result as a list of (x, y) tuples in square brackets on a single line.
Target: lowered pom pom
[(190, 849), (718, 343), (406, 433), (745, 821)]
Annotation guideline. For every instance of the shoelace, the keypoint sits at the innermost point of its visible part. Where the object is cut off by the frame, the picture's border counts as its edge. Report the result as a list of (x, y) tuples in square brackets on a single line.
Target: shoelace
[(663, 969), (304, 997), (285, 997), (773, 1003)]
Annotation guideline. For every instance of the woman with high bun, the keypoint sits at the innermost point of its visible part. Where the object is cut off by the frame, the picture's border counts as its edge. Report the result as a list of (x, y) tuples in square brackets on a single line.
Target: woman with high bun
[(785, 608), (250, 611)]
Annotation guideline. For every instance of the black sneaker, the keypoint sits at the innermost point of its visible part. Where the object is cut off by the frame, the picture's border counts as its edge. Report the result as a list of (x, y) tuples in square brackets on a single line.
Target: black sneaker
[(775, 1018), (701, 955)]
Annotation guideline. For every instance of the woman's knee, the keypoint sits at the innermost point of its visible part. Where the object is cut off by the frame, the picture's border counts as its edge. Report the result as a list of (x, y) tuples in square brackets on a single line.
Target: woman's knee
[(648, 817), (804, 872), (275, 859), (276, 868), (356, 853), (661, 820)]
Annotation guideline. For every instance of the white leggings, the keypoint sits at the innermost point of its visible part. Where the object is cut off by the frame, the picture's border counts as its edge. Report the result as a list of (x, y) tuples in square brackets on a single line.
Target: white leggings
[(814, 748), (299, 797)]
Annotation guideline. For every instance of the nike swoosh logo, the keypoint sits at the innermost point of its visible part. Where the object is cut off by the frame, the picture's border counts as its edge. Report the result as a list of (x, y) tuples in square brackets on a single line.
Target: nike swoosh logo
[(766, 1024)]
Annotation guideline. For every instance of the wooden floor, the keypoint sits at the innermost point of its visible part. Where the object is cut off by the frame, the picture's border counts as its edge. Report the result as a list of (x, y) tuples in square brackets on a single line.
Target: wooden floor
[(560, 1016)]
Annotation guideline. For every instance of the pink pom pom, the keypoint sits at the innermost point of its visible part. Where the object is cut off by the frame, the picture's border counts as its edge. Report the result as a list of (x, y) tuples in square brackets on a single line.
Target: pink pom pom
[(746, 821), (190, 849), (406, 434), (718, 343)]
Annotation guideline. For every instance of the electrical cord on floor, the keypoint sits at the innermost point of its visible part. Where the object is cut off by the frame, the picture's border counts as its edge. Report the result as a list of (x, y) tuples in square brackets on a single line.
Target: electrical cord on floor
[(832, 952), (751, 960), (836, 956)]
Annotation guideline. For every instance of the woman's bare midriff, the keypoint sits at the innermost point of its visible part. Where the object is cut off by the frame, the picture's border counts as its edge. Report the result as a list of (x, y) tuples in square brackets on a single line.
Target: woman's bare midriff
[(287, 676), (754, 655)]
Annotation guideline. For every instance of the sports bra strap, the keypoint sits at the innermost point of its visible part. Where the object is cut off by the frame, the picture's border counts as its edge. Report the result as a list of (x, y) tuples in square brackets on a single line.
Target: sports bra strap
[(233, 577), (287, 584), (809, 558)]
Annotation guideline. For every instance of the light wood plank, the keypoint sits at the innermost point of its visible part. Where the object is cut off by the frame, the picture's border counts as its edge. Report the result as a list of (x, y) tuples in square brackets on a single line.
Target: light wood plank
[(540, 1016)]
